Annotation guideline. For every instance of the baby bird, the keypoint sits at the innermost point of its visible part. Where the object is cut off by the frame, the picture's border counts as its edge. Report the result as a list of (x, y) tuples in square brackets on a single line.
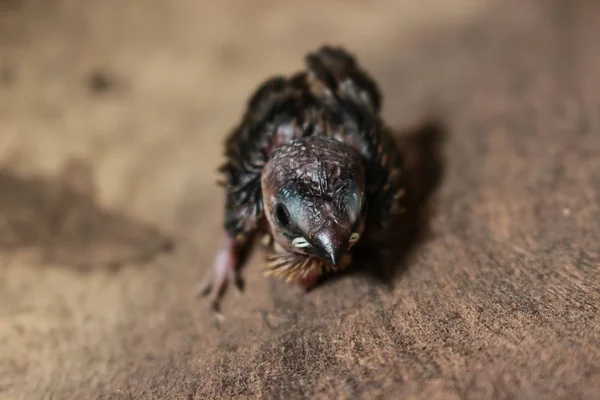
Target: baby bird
[(312, 169)]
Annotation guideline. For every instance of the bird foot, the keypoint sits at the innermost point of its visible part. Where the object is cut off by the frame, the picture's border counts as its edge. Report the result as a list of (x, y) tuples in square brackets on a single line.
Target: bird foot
[(225, 270)]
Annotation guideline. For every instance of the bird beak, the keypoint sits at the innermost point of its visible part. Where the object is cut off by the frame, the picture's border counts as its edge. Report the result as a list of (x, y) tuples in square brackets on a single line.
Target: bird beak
[(332, 241)]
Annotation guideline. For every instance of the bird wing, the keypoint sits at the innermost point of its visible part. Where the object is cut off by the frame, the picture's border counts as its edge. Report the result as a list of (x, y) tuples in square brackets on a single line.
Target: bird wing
[(337, 72), (272, 116)]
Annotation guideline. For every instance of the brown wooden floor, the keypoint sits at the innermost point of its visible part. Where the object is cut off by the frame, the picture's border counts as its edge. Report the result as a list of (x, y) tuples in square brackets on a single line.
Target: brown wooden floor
[(111, 120)]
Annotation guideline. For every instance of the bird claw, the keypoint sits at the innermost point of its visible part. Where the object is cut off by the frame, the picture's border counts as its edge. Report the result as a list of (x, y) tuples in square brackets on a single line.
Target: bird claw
[(215, 284)]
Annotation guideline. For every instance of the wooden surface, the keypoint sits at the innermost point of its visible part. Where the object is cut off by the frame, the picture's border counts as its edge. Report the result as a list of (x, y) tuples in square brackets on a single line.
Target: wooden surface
[(111, 121)]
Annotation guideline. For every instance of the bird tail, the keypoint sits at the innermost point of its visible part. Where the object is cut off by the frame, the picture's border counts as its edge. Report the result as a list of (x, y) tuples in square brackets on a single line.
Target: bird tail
[(336, 72)]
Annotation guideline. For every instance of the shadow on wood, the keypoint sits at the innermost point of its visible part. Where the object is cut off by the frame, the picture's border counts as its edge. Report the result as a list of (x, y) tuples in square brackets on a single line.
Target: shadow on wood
[(61, 219)]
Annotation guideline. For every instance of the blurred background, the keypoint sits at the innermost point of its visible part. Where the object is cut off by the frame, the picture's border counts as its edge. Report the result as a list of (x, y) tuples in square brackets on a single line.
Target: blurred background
[(112, 116), (122, 84)]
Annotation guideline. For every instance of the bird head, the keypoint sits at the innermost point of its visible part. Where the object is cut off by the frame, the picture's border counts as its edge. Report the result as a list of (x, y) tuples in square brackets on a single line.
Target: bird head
[(314, 197)]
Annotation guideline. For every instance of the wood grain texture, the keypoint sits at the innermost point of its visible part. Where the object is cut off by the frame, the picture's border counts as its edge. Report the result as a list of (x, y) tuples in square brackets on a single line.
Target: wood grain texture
[(499, 298)]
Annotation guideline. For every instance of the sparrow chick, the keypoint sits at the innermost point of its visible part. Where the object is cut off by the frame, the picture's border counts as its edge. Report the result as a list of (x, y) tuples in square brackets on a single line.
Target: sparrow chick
[(312, 169)]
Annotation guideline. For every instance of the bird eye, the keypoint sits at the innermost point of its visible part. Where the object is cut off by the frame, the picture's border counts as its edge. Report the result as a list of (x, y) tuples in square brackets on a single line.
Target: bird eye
[(282, 216)]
